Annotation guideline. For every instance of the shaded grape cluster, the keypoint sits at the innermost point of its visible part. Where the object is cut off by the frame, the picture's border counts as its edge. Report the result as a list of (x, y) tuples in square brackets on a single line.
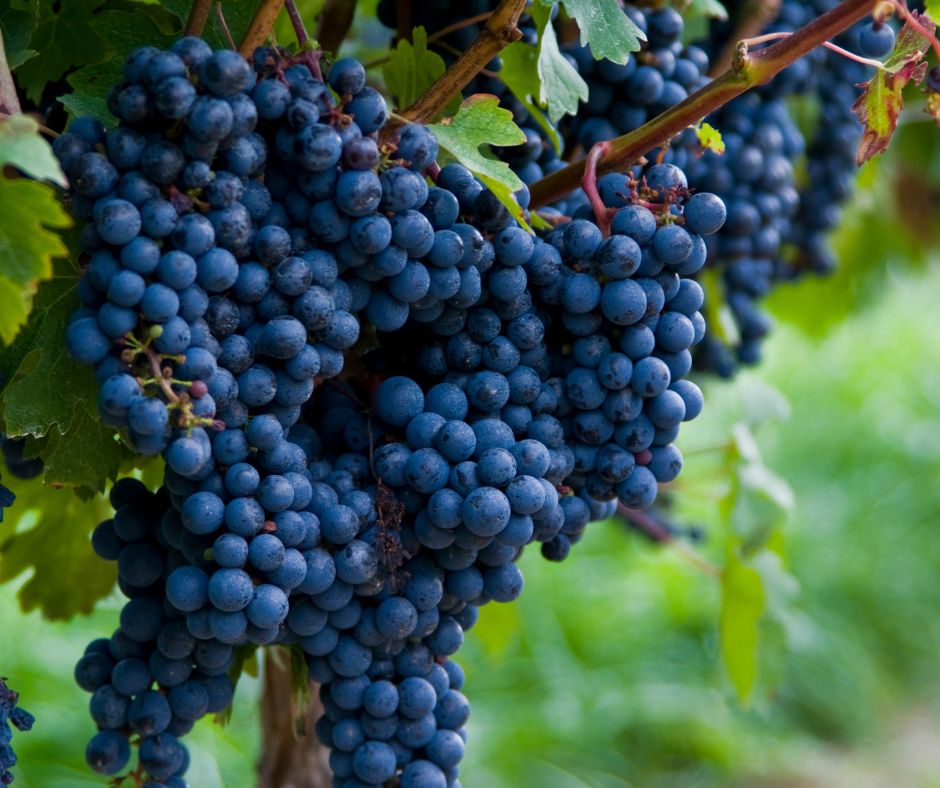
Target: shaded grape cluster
[(12, 715)]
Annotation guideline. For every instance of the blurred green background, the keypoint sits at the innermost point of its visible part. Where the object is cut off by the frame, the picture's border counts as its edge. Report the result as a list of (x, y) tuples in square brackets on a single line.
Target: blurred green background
[(607, 671)]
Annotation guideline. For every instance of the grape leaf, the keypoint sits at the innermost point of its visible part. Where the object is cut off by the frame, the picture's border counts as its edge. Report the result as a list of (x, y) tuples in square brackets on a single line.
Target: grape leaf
[(80, 104), (742, 604), (64, 37), (49, 394), (412, 69), (51, 540), (22, 146), (878, 108), (124, 31), (708, 9), (604, 25), (17, 27), (27, 245), (932, 7), (560, 84), (710, 138), (481, 121), (520, 74)]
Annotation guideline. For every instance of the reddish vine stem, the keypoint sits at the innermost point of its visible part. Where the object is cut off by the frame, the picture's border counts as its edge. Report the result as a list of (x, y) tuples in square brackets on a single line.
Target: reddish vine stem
[(754, 18), (198, 16), (297, 22), (260, 26), (645, 523), (9, 101), (589, 184), (335, 20), (908, 17), (747, 71), (649, 525), (865, 61), (500, 30)]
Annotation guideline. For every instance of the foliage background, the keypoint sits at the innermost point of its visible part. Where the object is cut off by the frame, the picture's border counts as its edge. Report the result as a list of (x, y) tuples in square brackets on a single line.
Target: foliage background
[(607, 672)]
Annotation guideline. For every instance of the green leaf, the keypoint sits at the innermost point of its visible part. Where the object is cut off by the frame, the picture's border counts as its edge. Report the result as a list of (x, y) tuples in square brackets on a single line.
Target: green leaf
[(22, 146), (51, 540), (27, 245), (17, 27), (742, 604), (707, 9), (878, 108), (604, 25), (412, 69), (481, 121), (64, 38), (520, 74), (560, 84), (49, 394), (710, 138), (78, 104), (123, 31), (932, 7)]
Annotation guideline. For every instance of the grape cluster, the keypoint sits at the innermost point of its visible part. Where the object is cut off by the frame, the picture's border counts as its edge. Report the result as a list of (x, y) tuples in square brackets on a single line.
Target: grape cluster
[(11, 713), (152, 678), (830, 151), (501, 390), (777, 229)]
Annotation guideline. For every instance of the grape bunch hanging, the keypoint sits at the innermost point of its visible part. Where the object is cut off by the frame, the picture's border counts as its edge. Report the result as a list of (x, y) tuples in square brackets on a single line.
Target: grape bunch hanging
[(372, 388)]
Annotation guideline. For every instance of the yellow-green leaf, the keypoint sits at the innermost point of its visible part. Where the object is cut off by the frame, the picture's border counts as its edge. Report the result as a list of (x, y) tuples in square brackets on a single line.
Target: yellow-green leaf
[(29, 214), (50, 538), (710, 138), (521, 75), (742, 604)]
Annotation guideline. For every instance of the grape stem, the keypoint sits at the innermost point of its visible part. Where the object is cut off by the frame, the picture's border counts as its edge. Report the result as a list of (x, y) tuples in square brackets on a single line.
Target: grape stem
[(9, 101), (162, 380), (499, 31), (224, 25), (649, 525), (296, 20), (260, 26), (865, 61), (589, 184), (198, 16), (335, 20), (754, 17), (908, 17), (438, 35), (748, 70)]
